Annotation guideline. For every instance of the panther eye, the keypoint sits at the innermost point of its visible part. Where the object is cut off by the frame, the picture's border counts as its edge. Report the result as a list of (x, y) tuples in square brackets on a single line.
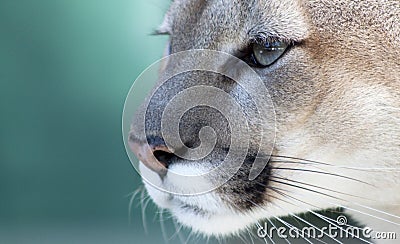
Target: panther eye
[(268, 53)]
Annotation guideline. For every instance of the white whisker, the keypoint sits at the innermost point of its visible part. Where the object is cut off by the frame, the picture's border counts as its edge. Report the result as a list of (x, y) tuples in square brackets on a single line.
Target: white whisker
[(131, 201), (143, 207), (308, 223), (367, 214), (332, 222), (163, 230)]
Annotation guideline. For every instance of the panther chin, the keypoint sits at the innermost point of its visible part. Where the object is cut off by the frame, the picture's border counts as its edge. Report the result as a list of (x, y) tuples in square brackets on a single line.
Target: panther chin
[(200, 219), (205, 214)]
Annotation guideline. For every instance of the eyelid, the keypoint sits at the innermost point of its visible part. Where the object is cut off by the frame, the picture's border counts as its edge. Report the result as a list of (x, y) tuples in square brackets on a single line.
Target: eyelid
[(262, 37)]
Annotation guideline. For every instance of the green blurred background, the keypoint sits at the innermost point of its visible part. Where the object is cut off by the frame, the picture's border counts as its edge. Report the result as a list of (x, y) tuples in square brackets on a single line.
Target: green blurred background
[(66, 67)]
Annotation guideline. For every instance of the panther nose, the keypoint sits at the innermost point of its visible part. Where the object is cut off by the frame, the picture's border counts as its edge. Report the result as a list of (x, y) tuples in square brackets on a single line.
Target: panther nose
[(154, 156)]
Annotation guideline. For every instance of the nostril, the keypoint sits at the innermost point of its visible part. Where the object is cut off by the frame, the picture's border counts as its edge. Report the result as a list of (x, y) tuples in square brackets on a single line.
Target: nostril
[(164, 157)]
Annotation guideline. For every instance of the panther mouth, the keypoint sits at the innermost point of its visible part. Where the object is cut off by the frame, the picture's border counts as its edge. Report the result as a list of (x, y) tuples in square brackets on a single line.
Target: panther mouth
[(216, 218), (209, 212), (194, 209)]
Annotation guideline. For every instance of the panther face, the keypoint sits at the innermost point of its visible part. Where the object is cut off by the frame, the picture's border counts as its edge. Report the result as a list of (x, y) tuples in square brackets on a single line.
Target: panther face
[(329, 72)]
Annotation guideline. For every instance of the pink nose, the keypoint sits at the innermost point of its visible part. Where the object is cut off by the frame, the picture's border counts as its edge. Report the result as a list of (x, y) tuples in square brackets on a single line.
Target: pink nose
[(154, 157)]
